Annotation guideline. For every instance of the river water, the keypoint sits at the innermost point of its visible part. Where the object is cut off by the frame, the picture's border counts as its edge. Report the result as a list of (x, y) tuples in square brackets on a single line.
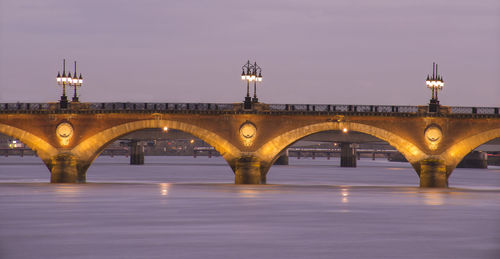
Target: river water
[(182, 207)]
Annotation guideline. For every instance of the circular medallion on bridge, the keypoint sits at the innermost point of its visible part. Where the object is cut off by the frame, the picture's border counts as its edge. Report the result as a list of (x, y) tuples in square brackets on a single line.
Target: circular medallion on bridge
[(247, 133), (433, 136), (248, 130), (64, 131)]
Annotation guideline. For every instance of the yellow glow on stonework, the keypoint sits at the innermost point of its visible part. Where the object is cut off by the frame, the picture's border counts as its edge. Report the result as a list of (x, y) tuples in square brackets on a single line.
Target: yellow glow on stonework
[(452, 152), (64, 141), (247, 142), (432, 146)]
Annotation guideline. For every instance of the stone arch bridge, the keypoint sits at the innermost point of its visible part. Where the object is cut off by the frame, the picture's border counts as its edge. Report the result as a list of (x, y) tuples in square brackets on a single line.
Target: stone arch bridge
[(68, 140)]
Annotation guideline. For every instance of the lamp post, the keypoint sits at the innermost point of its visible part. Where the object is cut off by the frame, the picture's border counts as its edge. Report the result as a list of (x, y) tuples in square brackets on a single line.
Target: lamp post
[(435, 83), (69, 80), (245, 76), (63, 80), (249, 74), (256, 78), (76, 82)]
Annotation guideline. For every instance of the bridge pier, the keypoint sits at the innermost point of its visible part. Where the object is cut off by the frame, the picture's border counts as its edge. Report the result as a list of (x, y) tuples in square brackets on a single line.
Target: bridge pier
[(64, 168), (136, 153), (282, 159), (347, 155), (433, 173), (248, 171), (475, 159)]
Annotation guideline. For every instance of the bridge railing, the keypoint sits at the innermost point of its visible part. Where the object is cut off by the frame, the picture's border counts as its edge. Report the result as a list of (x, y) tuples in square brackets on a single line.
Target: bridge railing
[(377, 108), (343, 108), (160, 106), (474, 110), (24, 106), (129, 106)]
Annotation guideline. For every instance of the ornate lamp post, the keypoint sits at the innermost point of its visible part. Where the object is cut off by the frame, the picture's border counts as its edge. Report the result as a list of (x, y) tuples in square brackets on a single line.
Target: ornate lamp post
[(245, 76), (435, 83), (251, 73), (76, 82), (256, 78), (69, 80), (63, 80)]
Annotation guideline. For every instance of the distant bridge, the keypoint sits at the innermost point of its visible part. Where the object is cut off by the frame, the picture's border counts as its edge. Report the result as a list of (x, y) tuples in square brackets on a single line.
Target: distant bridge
[(250, 140)]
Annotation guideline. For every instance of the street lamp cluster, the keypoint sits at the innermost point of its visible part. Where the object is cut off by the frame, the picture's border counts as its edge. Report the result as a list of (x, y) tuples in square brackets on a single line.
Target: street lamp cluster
[(64, 80), (435, 83), (251, 72)]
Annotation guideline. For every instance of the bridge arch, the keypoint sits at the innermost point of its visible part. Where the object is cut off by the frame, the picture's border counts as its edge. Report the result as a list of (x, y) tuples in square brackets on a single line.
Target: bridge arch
[(88, 150), (43, 149), (454, 154), (270, 151)]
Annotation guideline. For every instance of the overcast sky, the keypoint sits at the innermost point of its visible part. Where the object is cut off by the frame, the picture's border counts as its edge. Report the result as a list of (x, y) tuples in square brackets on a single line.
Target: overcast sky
[(324, 51)]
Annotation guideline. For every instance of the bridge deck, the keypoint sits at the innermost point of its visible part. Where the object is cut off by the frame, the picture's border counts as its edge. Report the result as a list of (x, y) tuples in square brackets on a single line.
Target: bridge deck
[(235, 108)]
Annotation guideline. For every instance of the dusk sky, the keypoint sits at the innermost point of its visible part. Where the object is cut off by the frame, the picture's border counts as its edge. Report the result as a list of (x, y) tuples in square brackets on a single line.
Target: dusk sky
[(335, 52)]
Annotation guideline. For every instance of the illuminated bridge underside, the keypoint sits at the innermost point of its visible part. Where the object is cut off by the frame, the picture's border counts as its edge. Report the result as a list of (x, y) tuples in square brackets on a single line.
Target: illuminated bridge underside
[(68, 141)]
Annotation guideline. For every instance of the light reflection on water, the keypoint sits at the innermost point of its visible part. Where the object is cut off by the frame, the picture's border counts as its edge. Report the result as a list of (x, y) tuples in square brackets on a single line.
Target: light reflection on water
[(311, 209), (164, 188), (248, 193), (65, 191), (433, 198), (345, 194)]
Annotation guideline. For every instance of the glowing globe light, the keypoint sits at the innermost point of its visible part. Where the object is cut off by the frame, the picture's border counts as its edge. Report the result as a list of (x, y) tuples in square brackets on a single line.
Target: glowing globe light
[(251, 73), (434, 83)]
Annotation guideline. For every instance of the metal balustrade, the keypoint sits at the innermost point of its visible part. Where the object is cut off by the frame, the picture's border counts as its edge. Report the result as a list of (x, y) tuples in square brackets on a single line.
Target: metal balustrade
[(308, 108), (485, 110), (462, 110), (343, 108), (475, 110), (409, 109), (24, 106)]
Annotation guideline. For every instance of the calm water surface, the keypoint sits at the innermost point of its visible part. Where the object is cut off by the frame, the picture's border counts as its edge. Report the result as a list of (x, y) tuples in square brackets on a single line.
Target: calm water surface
[(181, 207)]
